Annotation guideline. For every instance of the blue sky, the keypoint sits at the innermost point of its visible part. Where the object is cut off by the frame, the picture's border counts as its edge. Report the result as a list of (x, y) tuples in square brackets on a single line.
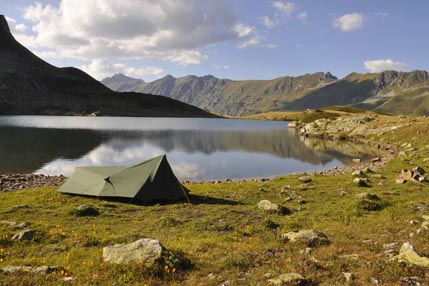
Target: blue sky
[(237, 39)]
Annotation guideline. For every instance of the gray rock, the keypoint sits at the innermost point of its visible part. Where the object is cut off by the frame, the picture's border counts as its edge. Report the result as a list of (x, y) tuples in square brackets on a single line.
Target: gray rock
[(41, 270), (268, 206), (367, 196), (23, 225), (85, 210), (305, 179), (146, 251), (17, 207), (407, 254), (289, 279), (25, 235), (411, 281), (361, 182), (309, 237), (359, 174)]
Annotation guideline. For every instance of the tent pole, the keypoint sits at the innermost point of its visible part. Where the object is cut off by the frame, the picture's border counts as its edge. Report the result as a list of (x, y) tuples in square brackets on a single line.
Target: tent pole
[(186, 195)]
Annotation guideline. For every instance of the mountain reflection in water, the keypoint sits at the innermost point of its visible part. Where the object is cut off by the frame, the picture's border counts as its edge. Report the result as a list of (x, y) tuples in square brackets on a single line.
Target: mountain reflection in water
[(206, 154)]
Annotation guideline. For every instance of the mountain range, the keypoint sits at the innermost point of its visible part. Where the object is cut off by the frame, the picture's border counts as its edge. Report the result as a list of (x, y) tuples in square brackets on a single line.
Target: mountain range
[(31, 86), (389, 92)]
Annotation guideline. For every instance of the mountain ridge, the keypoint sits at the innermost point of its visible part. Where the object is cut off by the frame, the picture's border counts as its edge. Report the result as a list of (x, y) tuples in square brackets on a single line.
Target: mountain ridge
[(31, 86), (374, 91)]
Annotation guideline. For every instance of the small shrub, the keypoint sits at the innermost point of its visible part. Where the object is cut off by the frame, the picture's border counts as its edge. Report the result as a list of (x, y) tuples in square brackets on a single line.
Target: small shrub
[(176, 261), (169, 222), (269, 224)]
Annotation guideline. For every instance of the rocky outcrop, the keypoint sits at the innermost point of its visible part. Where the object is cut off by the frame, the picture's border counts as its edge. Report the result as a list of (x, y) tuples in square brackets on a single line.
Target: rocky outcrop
[(146, 251)]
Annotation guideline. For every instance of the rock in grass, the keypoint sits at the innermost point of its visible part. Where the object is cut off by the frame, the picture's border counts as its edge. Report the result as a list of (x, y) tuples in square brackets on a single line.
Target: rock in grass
[(23, 225), (25, 235), (289, 279), (85, 210), (309, 237), (359, 174), (407, 254), (361, 182), (305, 179), (270, 207), (146, 251), (41, 270)]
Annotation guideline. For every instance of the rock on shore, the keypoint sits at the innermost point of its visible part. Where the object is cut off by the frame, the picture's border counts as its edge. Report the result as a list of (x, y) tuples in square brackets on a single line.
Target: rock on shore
[(15, 182)]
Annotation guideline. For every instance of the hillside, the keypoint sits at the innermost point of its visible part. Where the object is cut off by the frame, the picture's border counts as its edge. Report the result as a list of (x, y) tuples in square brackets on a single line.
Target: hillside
[(31, 86), (386, 92)]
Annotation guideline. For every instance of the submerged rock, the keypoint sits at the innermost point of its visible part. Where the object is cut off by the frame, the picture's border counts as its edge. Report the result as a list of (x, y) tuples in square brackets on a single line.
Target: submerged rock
[(146, 251)]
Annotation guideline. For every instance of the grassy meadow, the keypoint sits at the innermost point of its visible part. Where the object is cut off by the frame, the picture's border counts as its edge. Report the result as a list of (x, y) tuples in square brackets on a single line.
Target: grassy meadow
[(228, 240)]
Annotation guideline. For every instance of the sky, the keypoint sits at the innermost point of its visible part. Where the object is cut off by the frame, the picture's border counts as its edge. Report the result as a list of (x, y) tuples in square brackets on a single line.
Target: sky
[(236, 39)]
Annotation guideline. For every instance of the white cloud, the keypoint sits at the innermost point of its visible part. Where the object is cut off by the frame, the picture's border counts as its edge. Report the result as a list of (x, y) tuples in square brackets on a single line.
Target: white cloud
[(254, 41), (349, 22), (100, 69), (243, 30), (383, 65), (302, 16), (267, 22), (271, 46), (168, 30), (218, 67), (285, 8)]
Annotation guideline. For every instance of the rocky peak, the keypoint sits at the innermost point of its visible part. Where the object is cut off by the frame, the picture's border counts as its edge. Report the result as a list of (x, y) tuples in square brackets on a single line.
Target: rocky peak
[(4, 27), (328, 75)]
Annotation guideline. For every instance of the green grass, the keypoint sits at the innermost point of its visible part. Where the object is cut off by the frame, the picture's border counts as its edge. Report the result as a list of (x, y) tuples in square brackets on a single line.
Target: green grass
[(224, 234)]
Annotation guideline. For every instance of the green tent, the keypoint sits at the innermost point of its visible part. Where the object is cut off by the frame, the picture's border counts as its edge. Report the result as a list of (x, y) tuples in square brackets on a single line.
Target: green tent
[(149, 180)]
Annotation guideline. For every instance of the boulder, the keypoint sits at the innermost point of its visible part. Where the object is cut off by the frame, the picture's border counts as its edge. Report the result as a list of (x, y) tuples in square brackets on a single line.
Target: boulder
[(146, 251), (309, 237), (270, 207), (407, 254), (289, 279), (25, 235)]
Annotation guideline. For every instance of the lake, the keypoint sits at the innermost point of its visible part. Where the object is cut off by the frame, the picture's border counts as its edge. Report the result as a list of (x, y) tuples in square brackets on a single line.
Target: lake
[(197, 148)]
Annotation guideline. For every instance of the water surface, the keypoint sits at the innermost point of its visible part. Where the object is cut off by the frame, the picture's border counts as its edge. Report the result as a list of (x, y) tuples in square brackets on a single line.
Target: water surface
[(197, 149)]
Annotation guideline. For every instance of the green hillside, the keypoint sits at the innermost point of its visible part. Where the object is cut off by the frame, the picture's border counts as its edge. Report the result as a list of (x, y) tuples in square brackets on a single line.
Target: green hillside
[(386, 92)]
